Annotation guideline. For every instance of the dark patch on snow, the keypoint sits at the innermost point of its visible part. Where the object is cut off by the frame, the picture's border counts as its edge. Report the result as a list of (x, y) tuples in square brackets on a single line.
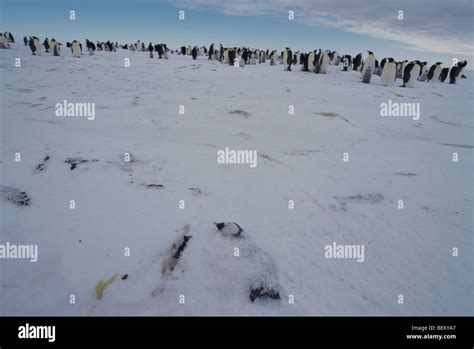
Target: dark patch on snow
[(74, 162), (40, 167), (125, 277), (229, 229), (301, 152), (458, 145), (135, 101), (197, 191), (153, 186), (263, 292), (15, 196), (241, 112), (328, 114), (359, 199), (175, 252), (436, 118), (332, 115), (408, 174)]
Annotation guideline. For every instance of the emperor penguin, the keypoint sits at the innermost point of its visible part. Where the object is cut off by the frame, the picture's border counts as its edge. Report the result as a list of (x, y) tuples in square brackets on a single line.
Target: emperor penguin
[(404, 65), (194, 52), (4, 41), (324, 62), (225, 56), (160, 51), (253, 58), (456, 71), (389, 72), (232, 56), (35, 46), (76, 49), (410, 75), (357, 62), (150, 49), (25, 40), (435, 71), (444, 74), (334, 58), (274, 58), (9, 37), (287, 59), (369, 64), (311, 62), (297, 60), (378, 68), (211, 52), (423, 71), (46, 45), (346, 62), (189, 50), (55, 47)]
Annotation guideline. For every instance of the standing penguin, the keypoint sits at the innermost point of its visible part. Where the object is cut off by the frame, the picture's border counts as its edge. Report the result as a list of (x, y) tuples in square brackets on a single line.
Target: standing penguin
[(194, 52), (346, 62), (378, 68), (150, 49), (25, 40), (369, 63), (55, 47), (232, 55), (423, 71), (287, 59), (274, 58), (35, 46), (324, 62), (225, 56), (46, 45), (389, 72), (444, 74), (211, 52), (410, 75), (456, 71), (357, 62), (76, 49), (4, 41), (311, 61), (435, 71)]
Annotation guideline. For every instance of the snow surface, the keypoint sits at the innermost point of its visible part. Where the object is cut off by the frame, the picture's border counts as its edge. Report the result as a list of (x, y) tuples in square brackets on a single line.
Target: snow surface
[(300, 157)]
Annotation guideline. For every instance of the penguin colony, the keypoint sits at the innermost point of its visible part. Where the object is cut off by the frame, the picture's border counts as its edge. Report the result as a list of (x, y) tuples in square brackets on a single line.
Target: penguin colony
[(316, 61)]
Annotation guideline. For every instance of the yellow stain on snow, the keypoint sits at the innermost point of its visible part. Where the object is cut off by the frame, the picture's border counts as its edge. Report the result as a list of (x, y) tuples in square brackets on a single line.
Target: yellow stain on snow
[(101, 285)]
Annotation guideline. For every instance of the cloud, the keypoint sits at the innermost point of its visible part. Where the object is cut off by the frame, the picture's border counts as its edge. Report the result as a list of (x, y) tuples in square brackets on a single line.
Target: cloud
[(427, 25)]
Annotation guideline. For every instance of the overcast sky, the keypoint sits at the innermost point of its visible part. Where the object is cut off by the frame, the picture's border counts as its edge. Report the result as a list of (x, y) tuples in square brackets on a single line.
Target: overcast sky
[(430, 29)]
